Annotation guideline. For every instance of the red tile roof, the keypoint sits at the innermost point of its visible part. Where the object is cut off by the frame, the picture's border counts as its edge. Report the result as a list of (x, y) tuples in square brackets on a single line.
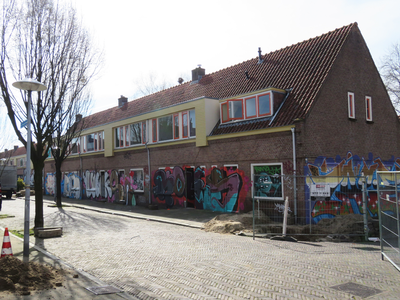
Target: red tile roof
[(302, 67)]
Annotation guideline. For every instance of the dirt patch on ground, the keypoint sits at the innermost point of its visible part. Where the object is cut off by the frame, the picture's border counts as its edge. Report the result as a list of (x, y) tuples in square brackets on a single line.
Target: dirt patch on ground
[(343, 227), (22, 278)]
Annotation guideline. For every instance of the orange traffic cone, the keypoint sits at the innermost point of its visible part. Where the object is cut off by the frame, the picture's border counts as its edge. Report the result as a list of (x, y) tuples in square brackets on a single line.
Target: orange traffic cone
[(6, 249)]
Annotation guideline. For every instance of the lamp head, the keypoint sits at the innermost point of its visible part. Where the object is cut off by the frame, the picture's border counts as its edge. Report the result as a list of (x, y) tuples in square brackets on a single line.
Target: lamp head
[(29, 84)]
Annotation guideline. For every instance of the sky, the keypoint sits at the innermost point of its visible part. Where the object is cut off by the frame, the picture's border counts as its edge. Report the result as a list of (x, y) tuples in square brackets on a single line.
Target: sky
[(169, 38)]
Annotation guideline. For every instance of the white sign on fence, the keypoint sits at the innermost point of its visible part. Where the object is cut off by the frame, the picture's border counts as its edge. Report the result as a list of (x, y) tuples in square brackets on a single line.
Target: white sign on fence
[(320, 190)]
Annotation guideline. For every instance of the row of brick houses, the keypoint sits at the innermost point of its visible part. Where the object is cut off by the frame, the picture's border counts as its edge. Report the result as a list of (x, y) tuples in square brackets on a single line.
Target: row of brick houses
[(316, 108)]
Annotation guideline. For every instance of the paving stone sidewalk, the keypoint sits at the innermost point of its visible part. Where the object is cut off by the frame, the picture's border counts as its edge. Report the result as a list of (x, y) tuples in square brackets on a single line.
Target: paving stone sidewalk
[(158, 260)]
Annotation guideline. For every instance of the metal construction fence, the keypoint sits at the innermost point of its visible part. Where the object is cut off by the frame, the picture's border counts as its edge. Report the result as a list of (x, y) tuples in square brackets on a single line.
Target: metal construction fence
[(389, 216), (326, 206)]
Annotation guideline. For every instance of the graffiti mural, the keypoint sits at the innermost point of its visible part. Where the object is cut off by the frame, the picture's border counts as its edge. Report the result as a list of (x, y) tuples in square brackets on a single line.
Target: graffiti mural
[(70, 185), (336, 185), (50, 184), (108, 186), (213, 189), (267, 181)]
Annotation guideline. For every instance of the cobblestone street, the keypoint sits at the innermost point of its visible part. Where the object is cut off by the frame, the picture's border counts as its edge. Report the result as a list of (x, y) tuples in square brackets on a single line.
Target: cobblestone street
[(154, 260)]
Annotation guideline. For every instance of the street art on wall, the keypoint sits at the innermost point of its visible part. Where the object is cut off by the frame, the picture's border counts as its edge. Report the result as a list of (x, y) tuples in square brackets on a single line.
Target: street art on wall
[(267, 180), (212, 189), (336, 185), (70, 186), (108, 186)]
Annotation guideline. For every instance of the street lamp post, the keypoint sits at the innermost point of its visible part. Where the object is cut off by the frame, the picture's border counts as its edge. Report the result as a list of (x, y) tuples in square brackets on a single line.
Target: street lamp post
[(28, 85)]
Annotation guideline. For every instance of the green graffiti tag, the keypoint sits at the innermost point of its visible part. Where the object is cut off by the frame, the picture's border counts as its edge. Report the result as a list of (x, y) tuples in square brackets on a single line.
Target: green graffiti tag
[(271, 170)]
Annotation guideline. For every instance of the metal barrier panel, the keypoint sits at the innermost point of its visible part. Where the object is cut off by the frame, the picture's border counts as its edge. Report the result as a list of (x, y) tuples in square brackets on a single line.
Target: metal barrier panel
[(389, 216), (318, 205)]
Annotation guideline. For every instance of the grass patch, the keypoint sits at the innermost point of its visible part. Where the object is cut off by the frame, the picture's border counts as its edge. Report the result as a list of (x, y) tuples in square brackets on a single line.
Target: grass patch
[(6, 216), (20, 233)]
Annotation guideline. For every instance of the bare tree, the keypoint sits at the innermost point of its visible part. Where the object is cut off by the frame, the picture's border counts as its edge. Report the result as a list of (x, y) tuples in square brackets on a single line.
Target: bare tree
[(69, 128), (43, 40), (153, 83), (390, 72), (150, 84)]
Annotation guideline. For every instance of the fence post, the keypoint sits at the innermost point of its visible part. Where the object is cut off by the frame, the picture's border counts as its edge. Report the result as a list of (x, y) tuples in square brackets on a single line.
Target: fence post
[(254, 223), (365, 216)]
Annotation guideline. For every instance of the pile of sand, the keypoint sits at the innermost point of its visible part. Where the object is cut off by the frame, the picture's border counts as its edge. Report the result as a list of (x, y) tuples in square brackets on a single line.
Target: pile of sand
[(230, 223), (21, 278), (350, 224)]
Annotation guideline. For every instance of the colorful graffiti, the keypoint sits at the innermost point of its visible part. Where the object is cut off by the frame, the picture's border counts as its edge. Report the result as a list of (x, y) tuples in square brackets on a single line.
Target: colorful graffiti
[(70, 186), (336, 185), (108, 186), (214, 189)]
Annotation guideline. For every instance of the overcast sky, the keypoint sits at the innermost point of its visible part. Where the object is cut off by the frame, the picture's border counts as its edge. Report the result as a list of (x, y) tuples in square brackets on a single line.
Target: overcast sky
[(170, 38)]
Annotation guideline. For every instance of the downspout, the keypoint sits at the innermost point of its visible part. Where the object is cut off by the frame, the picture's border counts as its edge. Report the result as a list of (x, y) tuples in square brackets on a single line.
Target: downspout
[(148, 162), (148, 166), (294, 174)]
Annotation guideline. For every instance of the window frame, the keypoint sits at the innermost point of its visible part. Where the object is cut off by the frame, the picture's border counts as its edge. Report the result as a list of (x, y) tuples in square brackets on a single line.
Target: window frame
[(255, 107), (270, 113), (154, 130), (351, 109), (185, 116), (162, 132), (368, 108), (143, 174), (176, 127), (131, 127), (144, 132), (232, 167), (190, 128), (230, 109)]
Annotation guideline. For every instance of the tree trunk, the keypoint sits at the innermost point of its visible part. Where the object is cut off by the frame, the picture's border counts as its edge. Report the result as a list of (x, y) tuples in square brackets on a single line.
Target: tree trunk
[(39, 221), (58, 182)]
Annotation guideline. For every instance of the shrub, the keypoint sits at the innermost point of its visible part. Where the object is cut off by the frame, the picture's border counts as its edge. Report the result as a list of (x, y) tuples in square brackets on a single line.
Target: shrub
[(20, 184)]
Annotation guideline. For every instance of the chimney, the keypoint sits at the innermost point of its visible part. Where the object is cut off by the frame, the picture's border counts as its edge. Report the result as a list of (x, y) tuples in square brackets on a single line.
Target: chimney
[(78, 118), (122, 101), (260, 60), (198, 73), (15, 147)]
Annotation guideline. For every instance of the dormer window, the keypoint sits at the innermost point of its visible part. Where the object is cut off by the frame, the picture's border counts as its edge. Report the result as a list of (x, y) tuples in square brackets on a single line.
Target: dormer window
[(255, 106), (264, 105), (232, 110), (251, 108)]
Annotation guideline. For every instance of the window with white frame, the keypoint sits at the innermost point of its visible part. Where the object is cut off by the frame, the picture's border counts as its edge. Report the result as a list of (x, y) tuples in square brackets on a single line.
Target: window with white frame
[(351, 105), (176, 126), (165, 128), (192, 123), (137, 176), (231, 167), (173, 127), (130, 135), (88, 143), (368, 108)]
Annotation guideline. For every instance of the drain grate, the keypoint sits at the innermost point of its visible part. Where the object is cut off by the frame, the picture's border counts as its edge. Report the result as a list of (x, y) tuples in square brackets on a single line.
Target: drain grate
[(103, 290), (357, 289)]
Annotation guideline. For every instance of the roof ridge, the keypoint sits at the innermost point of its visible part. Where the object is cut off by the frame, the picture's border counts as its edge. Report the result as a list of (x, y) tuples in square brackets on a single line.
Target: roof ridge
[(316, 37)]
